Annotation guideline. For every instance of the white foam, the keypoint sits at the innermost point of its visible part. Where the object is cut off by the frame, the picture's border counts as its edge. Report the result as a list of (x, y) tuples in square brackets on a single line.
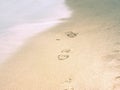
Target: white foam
[(15, 34)]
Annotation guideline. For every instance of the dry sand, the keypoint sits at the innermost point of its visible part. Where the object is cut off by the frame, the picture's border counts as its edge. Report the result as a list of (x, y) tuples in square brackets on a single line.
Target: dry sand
[(80, 54)]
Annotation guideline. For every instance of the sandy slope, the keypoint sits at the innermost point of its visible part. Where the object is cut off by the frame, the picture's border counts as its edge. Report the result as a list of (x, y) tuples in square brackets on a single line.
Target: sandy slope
[(72, 56), (66, 59)]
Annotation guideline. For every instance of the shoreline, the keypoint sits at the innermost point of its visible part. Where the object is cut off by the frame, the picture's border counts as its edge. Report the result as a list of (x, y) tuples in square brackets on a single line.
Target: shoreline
[(16, 36), (75, 55)]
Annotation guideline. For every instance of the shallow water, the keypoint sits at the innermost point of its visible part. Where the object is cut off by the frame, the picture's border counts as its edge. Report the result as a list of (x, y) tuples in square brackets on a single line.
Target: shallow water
[(22, 19)]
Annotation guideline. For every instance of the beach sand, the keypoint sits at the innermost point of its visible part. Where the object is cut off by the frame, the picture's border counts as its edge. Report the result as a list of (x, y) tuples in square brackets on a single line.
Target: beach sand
[(82, 53)]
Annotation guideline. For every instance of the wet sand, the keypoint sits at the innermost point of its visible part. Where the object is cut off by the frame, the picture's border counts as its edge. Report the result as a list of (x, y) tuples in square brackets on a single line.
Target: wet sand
[(82, 53)]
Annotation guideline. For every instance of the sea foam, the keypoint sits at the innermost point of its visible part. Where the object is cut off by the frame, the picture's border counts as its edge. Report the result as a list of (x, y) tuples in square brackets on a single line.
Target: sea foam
[(23, 19)]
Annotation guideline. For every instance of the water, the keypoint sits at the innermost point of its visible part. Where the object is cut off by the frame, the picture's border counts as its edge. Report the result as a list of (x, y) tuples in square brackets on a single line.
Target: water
[(20, 20)]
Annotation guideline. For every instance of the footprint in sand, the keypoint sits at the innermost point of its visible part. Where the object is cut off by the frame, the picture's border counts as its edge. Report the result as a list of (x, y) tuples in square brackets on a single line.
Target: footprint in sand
[(63, 57), (66, 51), (67, 85), (69, 80), (71, 34), (64, 54)]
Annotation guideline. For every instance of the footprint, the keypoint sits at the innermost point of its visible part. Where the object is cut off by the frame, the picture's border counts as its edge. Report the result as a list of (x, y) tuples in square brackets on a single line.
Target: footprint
[(69, 80), (71, 34), (63, 57), (67, 85), (64, 54), (65, 51)]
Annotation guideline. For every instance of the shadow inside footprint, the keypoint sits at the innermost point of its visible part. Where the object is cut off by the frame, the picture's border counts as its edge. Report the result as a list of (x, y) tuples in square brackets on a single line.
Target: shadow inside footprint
[(63, 57), (65, 51), (58, 39), (118, 77)]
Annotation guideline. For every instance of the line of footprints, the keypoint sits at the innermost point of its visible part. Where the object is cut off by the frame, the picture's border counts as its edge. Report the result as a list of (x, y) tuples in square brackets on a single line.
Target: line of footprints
[(65, 53), (67, 84)]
